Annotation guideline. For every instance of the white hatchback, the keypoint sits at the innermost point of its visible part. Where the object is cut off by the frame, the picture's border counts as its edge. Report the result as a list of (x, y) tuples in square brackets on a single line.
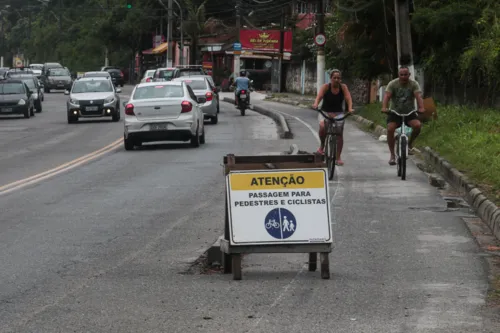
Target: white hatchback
[(163, 111)]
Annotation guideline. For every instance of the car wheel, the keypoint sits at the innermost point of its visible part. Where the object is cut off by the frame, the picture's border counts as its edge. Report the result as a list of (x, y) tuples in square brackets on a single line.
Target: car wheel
[(195, 140), (128, 143), (72, 119), (27, 114), (218, 106), (39, 106), (202, 137), (214, 120), (116, 116), (32, 111)]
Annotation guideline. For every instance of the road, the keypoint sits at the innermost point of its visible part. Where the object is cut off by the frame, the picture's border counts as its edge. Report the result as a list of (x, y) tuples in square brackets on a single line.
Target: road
[(107, 246)]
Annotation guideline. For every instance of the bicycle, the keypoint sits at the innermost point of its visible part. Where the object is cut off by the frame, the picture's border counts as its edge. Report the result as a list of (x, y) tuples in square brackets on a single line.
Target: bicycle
[(402, 144), (331, 140), (272, 224)]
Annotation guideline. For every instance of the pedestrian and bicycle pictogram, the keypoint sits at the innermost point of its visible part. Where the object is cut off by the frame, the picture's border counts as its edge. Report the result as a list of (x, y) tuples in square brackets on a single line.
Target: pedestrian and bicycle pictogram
[(280, 223)]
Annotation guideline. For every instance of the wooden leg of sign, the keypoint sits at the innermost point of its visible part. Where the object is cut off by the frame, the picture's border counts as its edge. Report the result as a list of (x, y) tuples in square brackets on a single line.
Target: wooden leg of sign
[(325, 265), (236, 259), (313, 258), (227, 262)]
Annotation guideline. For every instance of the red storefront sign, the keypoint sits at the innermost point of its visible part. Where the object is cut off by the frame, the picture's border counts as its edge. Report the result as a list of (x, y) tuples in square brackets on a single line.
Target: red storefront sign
[(265, 40)]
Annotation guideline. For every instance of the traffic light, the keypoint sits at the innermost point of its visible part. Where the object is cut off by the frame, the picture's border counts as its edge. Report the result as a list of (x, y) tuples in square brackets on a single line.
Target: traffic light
[(129, 6)]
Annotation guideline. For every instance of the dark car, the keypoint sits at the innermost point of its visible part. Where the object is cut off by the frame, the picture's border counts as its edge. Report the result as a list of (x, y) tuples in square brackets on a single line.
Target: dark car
[(57, 78), (189, 70), (35, 88), (16, 98), (116, 76)]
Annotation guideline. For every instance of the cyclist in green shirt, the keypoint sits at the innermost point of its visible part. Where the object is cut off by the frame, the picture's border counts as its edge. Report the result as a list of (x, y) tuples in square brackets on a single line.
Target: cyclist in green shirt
[(402, 92)]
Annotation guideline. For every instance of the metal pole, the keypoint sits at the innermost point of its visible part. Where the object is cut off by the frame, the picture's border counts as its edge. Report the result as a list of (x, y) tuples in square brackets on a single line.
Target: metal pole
[(238, 25), (169, 34), (282, 42), (320, 72)]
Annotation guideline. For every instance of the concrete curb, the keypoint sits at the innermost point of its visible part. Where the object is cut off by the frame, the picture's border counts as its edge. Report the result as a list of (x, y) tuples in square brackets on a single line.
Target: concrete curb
[(485, 208), (284, 129)]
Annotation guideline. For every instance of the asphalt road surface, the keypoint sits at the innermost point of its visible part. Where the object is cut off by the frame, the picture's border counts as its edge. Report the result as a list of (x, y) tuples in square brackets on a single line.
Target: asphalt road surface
[(106, 245)]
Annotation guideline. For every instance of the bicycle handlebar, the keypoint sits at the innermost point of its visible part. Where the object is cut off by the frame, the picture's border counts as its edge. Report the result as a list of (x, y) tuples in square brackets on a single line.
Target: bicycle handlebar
[(401, 115), (337, 118)]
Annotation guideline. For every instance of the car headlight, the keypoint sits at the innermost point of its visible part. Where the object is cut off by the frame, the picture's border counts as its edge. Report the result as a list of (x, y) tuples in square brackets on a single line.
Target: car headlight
[(35, 95), (21, 102), (74, 101), (109, 100)]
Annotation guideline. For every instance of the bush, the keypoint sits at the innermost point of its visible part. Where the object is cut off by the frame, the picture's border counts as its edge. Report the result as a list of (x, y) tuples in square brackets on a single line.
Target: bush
[(467, 137)]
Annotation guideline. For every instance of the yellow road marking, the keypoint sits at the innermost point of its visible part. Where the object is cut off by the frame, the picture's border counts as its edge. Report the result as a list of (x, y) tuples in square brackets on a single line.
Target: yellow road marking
[(58, 170)]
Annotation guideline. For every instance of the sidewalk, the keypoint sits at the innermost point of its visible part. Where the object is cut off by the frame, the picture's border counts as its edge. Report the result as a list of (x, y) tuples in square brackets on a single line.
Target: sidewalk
[(402, 262)]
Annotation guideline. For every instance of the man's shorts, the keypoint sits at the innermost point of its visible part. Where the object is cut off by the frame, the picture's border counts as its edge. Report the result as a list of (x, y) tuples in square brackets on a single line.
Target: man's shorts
[(392, 118)]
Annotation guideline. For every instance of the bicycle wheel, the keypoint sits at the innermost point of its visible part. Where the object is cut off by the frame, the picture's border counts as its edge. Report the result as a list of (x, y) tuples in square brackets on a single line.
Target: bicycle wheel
[(331, 154), (404, 150), (398, 155)]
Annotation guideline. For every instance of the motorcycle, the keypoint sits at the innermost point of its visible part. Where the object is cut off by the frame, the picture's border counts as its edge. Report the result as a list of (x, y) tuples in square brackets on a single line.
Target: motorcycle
[(243, 100)]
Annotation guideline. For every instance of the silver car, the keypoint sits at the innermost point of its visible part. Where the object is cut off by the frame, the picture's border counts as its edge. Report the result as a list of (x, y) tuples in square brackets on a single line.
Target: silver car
[(206, 96), (92, 97), (163, 111)]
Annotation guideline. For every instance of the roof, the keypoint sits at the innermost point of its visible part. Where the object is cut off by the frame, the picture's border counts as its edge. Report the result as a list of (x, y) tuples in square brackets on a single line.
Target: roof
[(97, 72), (11, 81), (162, 83), (190, 78), (93, 78)]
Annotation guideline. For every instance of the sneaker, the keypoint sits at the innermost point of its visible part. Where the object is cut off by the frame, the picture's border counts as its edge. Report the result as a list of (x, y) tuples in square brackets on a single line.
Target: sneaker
[(321, 151)]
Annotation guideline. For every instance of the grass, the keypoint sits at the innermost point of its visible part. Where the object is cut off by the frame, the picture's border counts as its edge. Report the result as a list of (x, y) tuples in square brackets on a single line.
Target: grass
[(469, 138)]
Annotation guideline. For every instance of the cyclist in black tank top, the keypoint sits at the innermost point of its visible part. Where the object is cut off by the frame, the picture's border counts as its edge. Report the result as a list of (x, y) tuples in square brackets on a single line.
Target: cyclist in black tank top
[(333, 95)]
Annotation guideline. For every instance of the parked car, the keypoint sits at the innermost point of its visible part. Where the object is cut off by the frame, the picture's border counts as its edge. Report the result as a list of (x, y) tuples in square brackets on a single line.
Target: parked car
[(166, 111), (16, 98), (35, 88), (92, 97), (207, 98)]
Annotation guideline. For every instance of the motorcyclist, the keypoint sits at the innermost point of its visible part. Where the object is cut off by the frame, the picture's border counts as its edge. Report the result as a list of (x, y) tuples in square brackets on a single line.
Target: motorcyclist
[(242, 83)]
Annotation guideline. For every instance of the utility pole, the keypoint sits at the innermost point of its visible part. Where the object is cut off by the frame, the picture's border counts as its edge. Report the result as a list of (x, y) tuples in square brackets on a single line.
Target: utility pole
[(282, 42), (169, 34), (403, 35), (238, 26), (320, 60)]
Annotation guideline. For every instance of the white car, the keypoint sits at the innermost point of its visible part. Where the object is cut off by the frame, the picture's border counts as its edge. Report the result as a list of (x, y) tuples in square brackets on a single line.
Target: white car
[(163, 111), (148, 75)]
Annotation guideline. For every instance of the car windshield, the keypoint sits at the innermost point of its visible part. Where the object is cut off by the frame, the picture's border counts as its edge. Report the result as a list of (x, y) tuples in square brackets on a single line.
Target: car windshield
[(191, 72), (166, 74), (11, 88), (158, 91), (30, 83), (58, 72), (80, 87), (196, 84)]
